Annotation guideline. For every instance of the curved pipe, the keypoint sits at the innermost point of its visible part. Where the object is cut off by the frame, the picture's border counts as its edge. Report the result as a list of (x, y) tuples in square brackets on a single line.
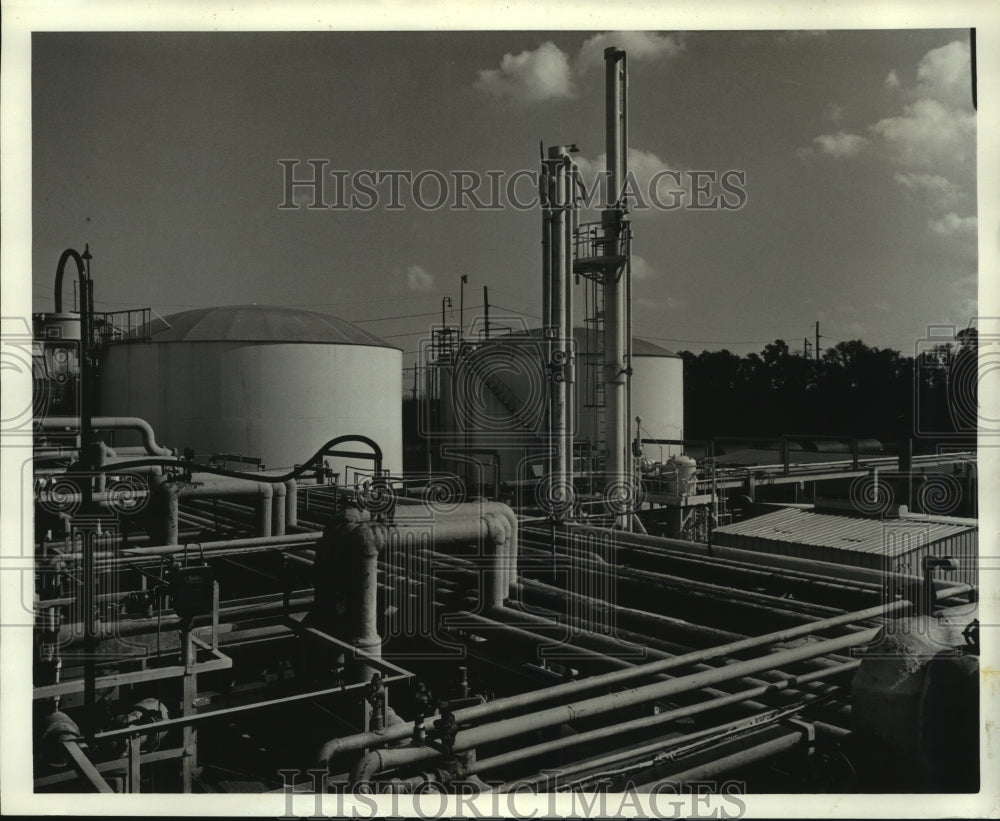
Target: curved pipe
[(113, 423), (493, 526), (81, 273), (169, 493), (306, 467), (377, 761)]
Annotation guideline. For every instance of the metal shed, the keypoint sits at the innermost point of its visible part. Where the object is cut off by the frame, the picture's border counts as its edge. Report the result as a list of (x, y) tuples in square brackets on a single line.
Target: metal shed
[(892, 545)]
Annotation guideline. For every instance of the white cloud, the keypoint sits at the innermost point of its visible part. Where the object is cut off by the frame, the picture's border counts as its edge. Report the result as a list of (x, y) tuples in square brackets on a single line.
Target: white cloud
[(642, 269), (417, 279), (840, 144), (943, 191), (643, 166), (929, 135), (531, 76), (546, 73), (934, 183), (932, 140), (951, 224), (640, 45), (944, 74)]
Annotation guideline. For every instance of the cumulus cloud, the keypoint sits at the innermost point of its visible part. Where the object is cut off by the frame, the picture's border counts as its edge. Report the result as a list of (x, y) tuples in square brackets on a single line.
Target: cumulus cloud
[(642, 269), (840, 144), (942, 191), (640, 45), (944, 74), (929, 135), (417, 279), (934, 135), (643, 166), (548, 73), (531, 76), (951, 224)]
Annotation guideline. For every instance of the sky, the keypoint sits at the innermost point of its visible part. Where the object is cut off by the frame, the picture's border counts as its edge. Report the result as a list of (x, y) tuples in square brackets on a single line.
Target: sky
[(855, 152)]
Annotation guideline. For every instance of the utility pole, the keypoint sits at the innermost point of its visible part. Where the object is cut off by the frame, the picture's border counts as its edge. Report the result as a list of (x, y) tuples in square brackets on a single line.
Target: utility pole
[(805, 347), (817, 341), (486, 310), (461, 307)]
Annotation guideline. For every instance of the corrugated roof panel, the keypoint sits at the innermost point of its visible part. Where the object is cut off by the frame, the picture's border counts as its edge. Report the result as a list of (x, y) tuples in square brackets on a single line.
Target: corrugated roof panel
[(885, 537)]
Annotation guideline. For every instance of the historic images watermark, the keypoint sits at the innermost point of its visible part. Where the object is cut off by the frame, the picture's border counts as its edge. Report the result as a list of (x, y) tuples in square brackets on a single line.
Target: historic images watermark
[(320, 797), (317, 185)]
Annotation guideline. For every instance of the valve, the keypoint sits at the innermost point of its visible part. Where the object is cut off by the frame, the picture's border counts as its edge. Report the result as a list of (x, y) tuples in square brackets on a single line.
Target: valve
[(446, 728), (425, 706), (375, 695)]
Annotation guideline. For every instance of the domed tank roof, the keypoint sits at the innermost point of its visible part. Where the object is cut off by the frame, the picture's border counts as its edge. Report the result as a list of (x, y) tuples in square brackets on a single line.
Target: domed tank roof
[(260, 323)]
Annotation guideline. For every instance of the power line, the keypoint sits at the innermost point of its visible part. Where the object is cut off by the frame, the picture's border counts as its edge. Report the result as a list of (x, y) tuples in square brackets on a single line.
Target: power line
[(407, 316)]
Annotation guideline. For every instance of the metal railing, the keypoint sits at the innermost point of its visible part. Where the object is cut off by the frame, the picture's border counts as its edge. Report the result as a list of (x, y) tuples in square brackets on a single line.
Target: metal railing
[(122, 326)]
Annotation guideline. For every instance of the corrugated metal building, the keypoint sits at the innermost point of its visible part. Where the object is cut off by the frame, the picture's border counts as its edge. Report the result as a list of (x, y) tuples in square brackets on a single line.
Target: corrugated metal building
[(892, 545)]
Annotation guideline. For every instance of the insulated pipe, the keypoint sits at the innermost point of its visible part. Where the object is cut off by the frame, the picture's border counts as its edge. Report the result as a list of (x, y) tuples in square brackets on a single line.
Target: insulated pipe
[(279, 508), (292, 502), (648, 722), (363, 540), (603, 643), (759, 747), (616, 677), (507, 559), (170, 493), (113, 423), (611, 702)]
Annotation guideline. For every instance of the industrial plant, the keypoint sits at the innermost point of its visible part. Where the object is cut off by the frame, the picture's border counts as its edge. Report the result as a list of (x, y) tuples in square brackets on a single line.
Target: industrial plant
[(247, 579)]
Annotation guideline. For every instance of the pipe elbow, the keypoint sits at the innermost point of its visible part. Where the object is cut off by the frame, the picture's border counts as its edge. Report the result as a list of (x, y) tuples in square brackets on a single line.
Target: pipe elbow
[(365, 769)]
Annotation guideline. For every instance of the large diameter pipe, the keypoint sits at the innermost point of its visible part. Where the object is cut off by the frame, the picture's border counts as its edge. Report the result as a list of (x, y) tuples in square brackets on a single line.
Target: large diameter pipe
[(489, 526), (208, 486), (113, 423), (617, 677), (417, 511)]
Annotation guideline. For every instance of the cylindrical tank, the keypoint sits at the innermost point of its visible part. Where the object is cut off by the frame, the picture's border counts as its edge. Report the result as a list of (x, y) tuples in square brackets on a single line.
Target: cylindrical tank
[(262, 382), (657, 396), (501, 403)]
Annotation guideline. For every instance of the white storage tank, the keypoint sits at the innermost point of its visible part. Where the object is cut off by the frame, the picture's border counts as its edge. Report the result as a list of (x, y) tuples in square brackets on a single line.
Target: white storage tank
[(506, 398), (657, 396), (264, 382)]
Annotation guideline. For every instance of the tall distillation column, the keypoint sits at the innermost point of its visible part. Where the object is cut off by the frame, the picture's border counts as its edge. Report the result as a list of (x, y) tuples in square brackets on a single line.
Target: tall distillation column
[(558, 224), (618, 331)]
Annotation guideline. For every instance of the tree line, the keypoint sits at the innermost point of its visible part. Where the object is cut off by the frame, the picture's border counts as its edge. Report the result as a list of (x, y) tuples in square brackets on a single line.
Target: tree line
[(853, 389)]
